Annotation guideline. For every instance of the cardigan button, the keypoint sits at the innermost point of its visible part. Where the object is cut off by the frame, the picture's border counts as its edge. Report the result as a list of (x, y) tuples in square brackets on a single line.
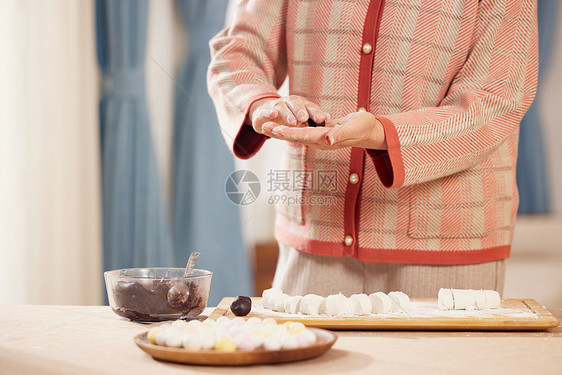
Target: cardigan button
[(354, 178), (348, 240), (367, 48), (361, 109)]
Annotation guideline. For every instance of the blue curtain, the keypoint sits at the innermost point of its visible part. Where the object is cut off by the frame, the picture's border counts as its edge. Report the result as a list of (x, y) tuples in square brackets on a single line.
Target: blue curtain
[(136, 231), (204, 218), (532, 177)]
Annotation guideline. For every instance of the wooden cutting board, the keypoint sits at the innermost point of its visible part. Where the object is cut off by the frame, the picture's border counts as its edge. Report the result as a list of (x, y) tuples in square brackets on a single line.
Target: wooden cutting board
[(514, 314)]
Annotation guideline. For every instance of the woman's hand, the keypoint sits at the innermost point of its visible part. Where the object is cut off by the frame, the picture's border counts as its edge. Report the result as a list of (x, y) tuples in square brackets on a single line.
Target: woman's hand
[(358, 129), (290, 111)]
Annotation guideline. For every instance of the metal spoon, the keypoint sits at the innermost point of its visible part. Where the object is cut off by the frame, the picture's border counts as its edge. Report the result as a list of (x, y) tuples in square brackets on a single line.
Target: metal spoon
[(178, 294), (191, 263)]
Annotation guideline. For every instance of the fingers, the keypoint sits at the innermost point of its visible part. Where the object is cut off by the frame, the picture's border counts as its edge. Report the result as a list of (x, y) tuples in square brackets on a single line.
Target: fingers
[(291, 111), (302, 110), (285, 115), (346, 132), (267, 113), (337, 132), (323, 137), (315, 113), (333, 136), (339, 121), (262, 111), (308, 136), (297, 108), (361, 129), (358, 129)]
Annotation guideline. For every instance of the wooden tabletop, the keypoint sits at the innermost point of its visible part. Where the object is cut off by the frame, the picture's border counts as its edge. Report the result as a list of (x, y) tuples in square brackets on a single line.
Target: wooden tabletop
[(93, 340)]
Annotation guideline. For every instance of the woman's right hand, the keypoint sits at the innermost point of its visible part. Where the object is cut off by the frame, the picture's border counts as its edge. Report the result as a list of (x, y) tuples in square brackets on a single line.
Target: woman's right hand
[(292, 110)]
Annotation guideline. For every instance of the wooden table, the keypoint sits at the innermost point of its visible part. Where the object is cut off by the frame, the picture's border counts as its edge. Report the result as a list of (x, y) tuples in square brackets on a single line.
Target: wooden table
[(93, 340)]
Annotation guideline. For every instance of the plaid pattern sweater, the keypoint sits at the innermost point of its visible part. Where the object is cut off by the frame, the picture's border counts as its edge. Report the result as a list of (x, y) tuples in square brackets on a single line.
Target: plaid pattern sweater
[(449, 80)]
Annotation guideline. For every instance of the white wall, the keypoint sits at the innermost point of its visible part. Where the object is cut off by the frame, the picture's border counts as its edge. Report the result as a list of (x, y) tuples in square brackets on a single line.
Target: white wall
[(50, 206)]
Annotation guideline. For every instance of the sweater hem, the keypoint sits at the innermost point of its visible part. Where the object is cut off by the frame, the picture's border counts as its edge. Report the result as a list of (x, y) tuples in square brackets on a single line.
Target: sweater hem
[(403, 256)]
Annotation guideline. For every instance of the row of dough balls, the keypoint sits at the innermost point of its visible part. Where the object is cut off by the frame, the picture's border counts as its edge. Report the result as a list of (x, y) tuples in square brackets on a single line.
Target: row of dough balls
[(336, 304), (467, 299)]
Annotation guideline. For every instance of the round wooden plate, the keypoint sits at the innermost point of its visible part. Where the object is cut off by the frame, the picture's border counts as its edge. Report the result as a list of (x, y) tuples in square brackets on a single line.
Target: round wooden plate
[(324, 341)]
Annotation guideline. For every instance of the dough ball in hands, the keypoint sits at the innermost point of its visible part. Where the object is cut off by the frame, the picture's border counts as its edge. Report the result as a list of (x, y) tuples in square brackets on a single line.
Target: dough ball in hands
[(359, 304), (400, 301), (380, 303), (337, 304)]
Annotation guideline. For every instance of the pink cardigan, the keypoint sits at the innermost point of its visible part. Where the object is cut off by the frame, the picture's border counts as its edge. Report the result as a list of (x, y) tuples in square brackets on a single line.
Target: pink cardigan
[(450, 81)]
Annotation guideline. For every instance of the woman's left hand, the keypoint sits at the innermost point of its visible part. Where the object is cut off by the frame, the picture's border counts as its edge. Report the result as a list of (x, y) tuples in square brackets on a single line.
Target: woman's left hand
[(358, 129)]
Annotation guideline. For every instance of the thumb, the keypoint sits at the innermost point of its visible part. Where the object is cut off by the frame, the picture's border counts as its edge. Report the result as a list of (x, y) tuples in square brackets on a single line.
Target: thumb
[(262, 116), (336, 135)]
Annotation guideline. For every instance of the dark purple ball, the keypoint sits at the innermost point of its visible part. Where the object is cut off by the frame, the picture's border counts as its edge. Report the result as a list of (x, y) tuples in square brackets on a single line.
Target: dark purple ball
[(241, 306)]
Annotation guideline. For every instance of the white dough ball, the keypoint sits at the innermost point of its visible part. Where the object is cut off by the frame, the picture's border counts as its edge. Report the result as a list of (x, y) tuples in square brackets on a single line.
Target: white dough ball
[(179, 323), (207, 340), (194, 323), (245, 345), (254, 320), (174, 340), (192, 342), (269, 296), (269, 322), (309, 335), (289, 342), (313, 304), (272, 343), (161, 338), (337, 304)]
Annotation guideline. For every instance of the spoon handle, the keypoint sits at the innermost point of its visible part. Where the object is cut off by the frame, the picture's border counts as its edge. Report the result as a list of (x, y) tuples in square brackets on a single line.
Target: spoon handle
[(191, 262)]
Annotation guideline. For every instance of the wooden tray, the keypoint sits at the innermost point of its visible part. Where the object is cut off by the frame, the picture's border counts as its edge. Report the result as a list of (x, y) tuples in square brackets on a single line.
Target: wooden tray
[(324, 341), (533, 317)]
